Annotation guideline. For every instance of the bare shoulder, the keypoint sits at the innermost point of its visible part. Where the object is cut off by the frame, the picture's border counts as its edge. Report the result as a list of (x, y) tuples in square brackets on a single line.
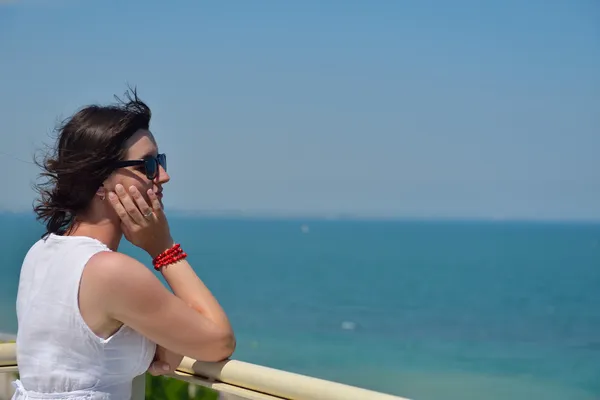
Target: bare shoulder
[(122, 282), (113, 267), (105, 278), (118, 275)]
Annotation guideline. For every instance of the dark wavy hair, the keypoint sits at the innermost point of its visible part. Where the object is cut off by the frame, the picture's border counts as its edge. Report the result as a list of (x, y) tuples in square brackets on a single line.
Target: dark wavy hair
[(88, 144)]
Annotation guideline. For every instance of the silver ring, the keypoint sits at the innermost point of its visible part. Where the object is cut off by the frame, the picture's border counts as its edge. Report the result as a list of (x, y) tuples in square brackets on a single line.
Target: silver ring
[(147, 215)]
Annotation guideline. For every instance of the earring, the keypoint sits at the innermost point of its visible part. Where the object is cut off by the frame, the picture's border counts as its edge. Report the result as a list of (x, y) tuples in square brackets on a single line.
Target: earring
[(102, 193)]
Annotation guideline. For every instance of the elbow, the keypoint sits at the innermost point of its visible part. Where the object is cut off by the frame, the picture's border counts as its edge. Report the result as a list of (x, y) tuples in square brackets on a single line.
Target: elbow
[(226, 346), (220, 349)]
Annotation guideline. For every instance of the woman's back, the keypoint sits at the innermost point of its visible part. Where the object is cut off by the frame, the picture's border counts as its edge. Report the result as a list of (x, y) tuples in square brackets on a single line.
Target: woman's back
[(56, 350), (103, 181)]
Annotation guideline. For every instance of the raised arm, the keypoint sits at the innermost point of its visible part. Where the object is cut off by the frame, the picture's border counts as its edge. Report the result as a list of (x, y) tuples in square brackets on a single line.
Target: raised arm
[(135, 297), (189, 321)]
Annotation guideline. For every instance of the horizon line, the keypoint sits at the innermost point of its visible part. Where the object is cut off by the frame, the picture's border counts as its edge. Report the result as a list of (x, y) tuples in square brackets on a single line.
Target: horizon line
[(347, 216)]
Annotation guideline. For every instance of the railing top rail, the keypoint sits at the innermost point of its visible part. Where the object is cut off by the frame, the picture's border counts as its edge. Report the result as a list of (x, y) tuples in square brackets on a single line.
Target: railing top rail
[(285, 384), (274, 382)]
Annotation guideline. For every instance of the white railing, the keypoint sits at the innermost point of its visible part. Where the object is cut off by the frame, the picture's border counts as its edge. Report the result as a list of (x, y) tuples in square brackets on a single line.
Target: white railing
[(235, 380)]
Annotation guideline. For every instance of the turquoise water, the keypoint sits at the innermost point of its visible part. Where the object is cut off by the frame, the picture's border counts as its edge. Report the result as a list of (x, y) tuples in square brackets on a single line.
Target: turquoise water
[(426, 310)]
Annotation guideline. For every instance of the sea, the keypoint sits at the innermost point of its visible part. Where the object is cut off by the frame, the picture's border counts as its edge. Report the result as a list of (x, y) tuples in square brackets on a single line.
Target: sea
[(428, 310)]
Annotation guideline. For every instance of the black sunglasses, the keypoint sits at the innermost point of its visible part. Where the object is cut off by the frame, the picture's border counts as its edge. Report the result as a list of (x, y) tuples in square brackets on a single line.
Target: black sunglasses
[(151, 165)]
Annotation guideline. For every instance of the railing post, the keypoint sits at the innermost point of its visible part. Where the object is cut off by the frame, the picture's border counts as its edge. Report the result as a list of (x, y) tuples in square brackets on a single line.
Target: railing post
[(138, 388)]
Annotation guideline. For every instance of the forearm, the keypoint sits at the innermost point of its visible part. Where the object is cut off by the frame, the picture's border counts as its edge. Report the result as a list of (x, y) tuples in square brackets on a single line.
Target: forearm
[(146, 227), (186, 285)]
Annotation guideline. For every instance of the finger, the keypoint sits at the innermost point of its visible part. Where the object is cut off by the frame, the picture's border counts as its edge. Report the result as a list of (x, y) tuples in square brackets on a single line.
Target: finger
[(154, 200), (140, 201), (159, 368), (119, 209), (129, 205), (152, 369), (152, 372)]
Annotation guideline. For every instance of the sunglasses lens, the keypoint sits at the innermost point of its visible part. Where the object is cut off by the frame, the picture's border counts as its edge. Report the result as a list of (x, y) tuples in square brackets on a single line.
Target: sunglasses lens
[(162, 160), (151, 168)]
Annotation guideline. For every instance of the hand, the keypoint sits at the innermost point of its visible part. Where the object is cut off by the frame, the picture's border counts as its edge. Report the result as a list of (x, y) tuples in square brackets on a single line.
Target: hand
[(165, 362), (144, 226), (159, 367)]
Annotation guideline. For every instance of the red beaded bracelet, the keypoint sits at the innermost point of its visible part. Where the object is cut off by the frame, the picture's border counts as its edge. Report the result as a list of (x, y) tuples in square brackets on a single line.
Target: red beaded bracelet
[(169, 256)]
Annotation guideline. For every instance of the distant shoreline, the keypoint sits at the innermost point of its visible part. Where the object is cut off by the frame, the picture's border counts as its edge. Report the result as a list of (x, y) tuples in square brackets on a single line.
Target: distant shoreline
[(234, 215)]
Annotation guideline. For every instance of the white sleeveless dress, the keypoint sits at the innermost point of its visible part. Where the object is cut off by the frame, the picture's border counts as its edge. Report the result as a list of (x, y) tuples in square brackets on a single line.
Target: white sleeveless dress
[(58, 356)]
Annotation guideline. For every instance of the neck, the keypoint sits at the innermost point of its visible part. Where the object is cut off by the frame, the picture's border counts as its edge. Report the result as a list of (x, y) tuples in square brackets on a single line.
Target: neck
[(105, 230)]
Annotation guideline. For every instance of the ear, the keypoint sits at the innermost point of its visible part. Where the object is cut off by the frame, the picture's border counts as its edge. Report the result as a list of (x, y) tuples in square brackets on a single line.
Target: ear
[(101, 192)]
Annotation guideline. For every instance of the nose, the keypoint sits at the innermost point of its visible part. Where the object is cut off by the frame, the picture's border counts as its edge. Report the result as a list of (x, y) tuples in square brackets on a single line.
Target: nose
[(162, 176)]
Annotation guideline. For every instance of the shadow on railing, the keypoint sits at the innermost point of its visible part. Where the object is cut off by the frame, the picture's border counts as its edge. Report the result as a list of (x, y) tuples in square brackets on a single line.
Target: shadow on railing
[(236, 380)]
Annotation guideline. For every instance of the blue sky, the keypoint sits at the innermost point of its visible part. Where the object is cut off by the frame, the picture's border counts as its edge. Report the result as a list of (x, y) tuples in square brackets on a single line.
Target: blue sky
[(477, 109)]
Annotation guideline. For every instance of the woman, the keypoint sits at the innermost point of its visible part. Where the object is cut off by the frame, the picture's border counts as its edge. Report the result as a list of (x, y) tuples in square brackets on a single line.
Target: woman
[(90, 319)]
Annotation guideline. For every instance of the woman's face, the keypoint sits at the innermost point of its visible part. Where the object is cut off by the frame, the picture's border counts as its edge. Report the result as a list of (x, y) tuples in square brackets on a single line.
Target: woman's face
[(140, 146)]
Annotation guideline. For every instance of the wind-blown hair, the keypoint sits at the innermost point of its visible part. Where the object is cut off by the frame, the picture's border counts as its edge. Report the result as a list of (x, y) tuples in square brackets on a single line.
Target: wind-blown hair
[(87, 145)]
